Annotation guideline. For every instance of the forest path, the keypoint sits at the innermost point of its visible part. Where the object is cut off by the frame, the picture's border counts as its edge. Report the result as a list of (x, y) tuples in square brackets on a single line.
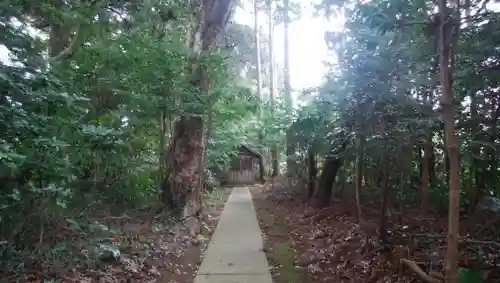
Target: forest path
[(235, 252)]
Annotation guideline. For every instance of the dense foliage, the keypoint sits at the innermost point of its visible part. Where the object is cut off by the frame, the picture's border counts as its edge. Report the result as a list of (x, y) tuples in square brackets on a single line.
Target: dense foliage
[(387, 91), (90, 94)]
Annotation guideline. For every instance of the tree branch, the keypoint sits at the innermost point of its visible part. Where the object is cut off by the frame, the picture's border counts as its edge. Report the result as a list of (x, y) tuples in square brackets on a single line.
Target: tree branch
[(417, 270), (68, 50)]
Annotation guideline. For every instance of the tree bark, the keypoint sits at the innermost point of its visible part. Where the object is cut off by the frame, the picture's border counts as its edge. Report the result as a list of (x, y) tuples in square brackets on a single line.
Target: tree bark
[(183, 188), (385, 193), (359, 175), (259, 80), (445, 38), (474, 175), (311, 172), (290, 146), (428, 158), (286, 68), (291, 164), (183, 183), (272, 85), (323, 193), (333, 162), (425, 173)]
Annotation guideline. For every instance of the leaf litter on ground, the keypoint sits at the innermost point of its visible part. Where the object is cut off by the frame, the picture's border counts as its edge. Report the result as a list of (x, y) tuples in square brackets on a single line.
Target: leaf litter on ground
[(132, 247), (332, 246)]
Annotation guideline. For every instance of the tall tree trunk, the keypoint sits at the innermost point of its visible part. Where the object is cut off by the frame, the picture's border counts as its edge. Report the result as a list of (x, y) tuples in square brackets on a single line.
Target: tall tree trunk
[(184, 172), (258, 49), (323, 193), (291, 161), (311, 172), (359, 174), (259, 78), (272, 85), (472, 180), (286, 69), (425, 174), (474, 174), (331, 167), (445, 43), (164, 136), (428, 158), (385, 194), (290, 146), (182, 190)]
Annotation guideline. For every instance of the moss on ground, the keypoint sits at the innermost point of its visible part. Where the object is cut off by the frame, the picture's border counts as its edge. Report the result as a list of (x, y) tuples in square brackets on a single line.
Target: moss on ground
[(282, 255), (278, 247)]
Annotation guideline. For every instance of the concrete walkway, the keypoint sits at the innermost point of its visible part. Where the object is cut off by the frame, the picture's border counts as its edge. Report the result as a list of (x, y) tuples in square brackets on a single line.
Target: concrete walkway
[(234, 254)]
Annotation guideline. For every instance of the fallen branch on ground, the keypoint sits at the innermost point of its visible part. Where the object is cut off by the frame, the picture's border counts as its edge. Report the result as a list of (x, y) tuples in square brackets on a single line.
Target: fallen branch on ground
[(417, 270), (492, 243)]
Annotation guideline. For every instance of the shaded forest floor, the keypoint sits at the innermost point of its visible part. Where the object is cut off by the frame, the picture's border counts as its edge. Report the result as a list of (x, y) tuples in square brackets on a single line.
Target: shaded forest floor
[(137, 246), (307, 245)]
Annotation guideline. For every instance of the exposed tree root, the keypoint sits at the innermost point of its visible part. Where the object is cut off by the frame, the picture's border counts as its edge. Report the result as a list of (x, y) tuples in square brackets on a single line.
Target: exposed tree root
[(417, 270)]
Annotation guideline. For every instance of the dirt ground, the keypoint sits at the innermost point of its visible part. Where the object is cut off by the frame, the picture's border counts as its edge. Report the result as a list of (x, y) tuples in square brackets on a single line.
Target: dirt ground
[(182, 268), (306, 245), (147, 248)]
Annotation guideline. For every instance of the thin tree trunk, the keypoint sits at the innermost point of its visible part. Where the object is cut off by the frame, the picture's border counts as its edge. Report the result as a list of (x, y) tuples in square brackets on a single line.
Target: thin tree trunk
[(312, 172), (385, 194), (474, 175), (445, 38), (290, 146), (426, 158), (286, 69), (161, 148), (259, 77), (359, 175), (341, 181), (272, 86), (258, 49)]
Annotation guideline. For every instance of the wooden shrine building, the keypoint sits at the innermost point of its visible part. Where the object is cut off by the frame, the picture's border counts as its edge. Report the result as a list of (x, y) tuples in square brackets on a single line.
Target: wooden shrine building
[(246, 167)]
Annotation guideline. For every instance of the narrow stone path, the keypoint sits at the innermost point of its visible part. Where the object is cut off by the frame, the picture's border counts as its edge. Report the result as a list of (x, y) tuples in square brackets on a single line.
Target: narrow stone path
[(235, 254)]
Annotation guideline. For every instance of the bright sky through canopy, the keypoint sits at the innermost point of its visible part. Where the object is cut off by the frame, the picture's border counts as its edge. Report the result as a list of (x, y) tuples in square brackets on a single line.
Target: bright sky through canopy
[(307, 45)]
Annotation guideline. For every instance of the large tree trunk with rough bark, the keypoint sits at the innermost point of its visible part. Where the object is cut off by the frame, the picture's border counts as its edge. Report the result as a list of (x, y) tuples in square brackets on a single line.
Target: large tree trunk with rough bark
[(182, 188), (445, 60)]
